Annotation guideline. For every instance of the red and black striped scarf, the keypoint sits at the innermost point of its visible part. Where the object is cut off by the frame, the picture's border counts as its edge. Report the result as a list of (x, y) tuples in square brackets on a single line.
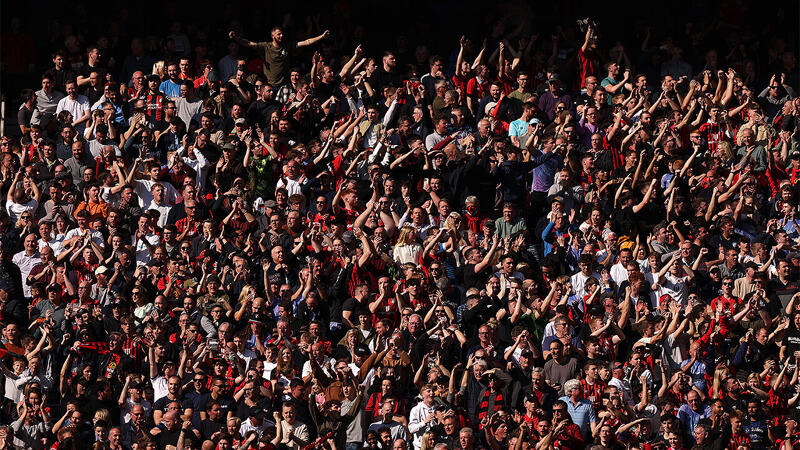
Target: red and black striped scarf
[(483, 407)]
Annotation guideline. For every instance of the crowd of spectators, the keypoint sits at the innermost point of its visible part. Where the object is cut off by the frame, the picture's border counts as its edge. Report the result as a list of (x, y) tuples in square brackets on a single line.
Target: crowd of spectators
[(534, 242)]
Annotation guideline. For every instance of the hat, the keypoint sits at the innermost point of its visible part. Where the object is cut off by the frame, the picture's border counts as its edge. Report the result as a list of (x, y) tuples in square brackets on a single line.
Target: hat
[(361, 350), (63, 176), (348, 237), (240, 121), (176, 121), (751, 265), (795, 154), (256, 411), (714, 268), (532, 398), (54, 287), (488, 108), (526, 354), (664, 298), (534, 121), (213, 279), (258, 319), (793, 255), (101, 270), (553, 77), (228, 146), (270, 204)]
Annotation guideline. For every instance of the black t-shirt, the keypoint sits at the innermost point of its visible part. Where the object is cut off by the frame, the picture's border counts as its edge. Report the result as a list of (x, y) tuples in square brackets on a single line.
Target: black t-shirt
[(793, 340), (208, 427), (24, 116), (355, 307), (167, 437), (472, 279), (87, 70), (162, 403)]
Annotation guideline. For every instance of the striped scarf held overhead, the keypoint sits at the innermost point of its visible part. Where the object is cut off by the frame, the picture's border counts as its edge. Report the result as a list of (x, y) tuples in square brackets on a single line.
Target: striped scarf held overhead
[(483, 407)]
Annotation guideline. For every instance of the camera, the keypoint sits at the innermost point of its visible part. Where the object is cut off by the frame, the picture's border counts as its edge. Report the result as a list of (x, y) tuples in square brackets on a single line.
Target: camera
[(587, 23)]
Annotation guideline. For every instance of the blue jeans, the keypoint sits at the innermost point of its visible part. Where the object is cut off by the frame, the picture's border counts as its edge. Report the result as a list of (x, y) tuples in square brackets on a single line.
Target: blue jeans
[(353, 446)]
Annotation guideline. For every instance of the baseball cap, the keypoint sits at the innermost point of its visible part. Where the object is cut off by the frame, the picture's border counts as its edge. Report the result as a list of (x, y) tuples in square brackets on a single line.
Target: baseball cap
[(361, 350), (256, 411), (101, 270)]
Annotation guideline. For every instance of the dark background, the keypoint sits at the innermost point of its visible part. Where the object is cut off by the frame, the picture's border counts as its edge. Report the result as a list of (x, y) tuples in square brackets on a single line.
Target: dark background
[(402, 25)]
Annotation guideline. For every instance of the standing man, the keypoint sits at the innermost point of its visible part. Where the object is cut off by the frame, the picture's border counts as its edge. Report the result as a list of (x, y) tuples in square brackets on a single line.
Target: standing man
[(172, 86), (46, 103), (76, 104), (580, 410), (26, 260), (277, 53), (422, 417), (188, 105)]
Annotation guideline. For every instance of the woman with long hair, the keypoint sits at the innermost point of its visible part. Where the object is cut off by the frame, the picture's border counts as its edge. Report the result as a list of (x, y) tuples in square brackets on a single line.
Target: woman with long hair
[(286, 369), (407, 249)]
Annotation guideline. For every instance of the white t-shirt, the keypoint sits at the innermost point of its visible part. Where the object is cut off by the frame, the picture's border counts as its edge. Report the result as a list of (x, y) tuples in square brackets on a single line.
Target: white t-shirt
[(143, 187), (292, 186), (97, 237), (142, 253), (16, 209), (159, 387), (163, 211), (77, 107), (579, 281), (676, 287)]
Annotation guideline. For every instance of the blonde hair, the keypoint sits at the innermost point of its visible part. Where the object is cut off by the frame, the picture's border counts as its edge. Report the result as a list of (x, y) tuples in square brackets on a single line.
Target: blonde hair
[(102, 414), (245, 292), (452, 218), (158, 69), (425, 438), (408, 236), (725, 150)]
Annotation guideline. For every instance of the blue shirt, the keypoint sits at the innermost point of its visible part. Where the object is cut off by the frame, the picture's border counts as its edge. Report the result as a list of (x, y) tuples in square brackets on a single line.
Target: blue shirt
[(582, 414), (689, 419), (544, 173), (517, 128), (698, 374), (170, 88)]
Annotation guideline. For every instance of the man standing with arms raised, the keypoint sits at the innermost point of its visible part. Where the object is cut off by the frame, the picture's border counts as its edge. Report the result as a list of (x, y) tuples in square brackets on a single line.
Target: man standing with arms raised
[(277, 53)]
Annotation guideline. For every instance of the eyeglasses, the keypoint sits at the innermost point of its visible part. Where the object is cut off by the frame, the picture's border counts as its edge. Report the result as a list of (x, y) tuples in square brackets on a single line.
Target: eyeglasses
[(727, 283)]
